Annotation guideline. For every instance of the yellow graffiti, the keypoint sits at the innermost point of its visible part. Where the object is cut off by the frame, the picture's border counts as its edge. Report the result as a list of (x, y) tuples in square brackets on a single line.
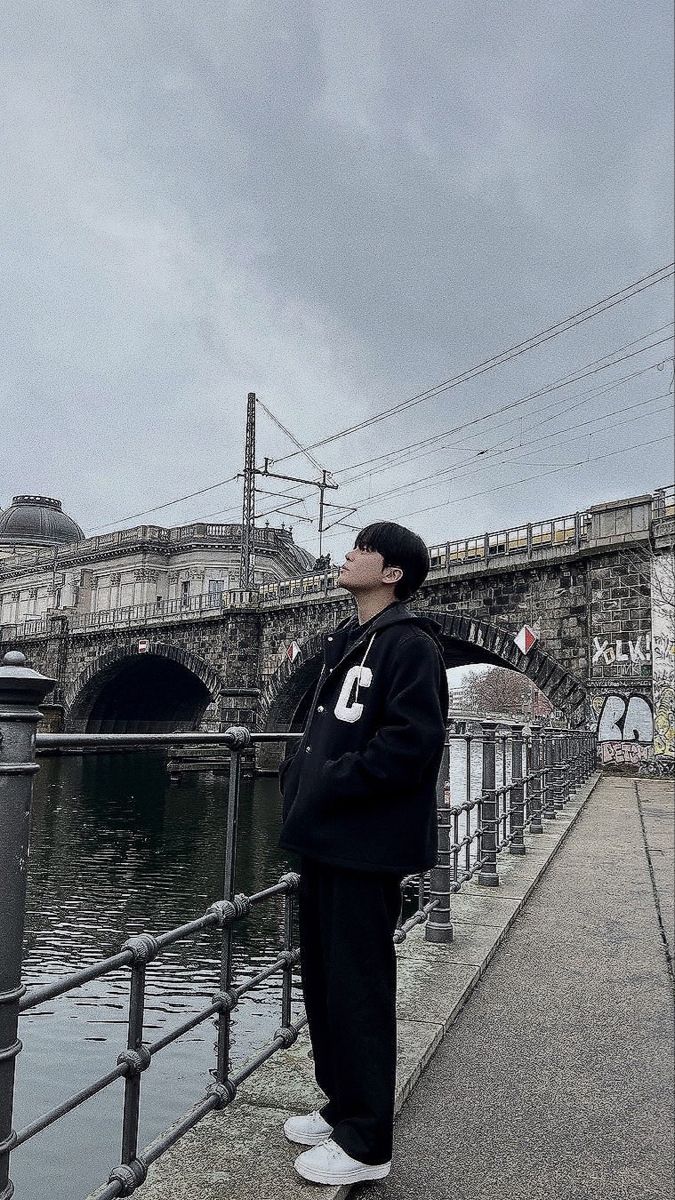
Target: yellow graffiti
[(664, 722)]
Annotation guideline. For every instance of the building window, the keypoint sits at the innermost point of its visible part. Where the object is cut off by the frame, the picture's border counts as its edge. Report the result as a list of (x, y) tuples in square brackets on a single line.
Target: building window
[(185, 592), (216, 587)]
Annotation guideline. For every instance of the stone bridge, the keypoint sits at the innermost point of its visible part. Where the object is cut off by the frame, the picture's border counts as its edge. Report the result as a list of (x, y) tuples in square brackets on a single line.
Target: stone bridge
[(596, 586)]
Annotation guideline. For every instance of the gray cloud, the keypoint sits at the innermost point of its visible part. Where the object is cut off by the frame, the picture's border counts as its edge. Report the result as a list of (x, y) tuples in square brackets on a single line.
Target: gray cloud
[(334, 207)]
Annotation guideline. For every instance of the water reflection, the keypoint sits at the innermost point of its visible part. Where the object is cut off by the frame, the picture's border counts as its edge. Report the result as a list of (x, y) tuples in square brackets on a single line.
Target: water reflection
[(116, 850)]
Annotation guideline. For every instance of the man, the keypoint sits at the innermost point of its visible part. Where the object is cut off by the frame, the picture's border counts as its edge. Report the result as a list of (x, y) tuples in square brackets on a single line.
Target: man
[(360, 809)]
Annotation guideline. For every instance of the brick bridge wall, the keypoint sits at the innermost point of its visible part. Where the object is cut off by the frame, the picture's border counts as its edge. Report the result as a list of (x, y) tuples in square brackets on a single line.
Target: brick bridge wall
[(592, 606)]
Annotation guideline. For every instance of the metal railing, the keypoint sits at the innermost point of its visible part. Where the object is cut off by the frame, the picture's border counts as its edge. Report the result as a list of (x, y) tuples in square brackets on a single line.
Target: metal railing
[(228, 534), (522, 540), (545, 768), (663, 507), (151, 613)]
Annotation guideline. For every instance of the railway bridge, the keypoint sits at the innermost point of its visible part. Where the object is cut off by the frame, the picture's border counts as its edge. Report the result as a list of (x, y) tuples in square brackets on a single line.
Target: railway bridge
[(596, 586)]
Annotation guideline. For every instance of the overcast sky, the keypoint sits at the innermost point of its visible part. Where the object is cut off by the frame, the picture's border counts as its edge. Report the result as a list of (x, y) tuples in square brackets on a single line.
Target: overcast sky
[(335, 206)]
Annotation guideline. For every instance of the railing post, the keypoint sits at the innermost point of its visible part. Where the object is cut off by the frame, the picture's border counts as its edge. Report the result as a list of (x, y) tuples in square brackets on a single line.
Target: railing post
[(438, 927), (566, 765), (292, 881), (134, 1059), (558, 772), (517, 822), (21, 690), (502, 804), (555, 761), (488, 876), (547, 760), (576, 749), (534, 770), (241, 739)]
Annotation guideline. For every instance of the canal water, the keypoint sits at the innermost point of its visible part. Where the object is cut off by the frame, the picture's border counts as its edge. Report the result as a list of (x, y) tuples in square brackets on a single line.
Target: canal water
[(116, 850)]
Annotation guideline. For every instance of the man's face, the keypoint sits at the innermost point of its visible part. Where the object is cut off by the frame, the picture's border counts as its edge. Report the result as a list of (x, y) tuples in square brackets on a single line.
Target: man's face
[(364, 571)]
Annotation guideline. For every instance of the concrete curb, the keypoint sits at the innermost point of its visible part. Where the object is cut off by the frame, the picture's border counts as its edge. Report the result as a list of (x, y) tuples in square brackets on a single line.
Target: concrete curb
[(241, 1153)]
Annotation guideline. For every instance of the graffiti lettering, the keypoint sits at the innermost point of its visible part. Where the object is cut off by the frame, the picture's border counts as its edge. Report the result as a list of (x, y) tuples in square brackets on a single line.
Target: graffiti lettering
[(623, 650), (664, 646), (664, 722), (663, 625), (636, 654), (626, 719), (623, 753)]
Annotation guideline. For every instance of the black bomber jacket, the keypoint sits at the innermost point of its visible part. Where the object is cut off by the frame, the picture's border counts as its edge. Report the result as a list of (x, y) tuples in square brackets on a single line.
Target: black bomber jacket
[(360, 789)]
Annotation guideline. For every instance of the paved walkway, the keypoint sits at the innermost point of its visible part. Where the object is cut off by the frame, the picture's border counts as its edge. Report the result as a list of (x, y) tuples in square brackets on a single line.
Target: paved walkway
[(556, 1081)]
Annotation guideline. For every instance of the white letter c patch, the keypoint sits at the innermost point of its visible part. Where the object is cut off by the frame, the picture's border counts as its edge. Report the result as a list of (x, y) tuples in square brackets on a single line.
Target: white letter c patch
[(344, 710)]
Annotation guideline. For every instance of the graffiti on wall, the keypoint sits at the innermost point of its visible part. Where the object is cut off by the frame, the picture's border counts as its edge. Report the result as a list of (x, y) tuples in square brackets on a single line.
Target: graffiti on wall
[(637, 649), (626, 719), (663, 654), (625, 728), (664, 722), (624, 754)]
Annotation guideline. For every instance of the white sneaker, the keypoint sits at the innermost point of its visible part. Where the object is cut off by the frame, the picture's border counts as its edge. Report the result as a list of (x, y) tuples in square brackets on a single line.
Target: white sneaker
[(329, 1163), (307, 1131)]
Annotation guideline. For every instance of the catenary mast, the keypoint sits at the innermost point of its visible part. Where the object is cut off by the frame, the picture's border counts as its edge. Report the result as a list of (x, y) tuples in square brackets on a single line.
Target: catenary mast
[(248, 516)]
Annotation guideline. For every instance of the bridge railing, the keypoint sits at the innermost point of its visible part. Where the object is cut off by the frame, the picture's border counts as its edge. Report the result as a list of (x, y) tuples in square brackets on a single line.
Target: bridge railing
[(539, 770), (664, 503), (570, 530), (153, 612), (208, 603)]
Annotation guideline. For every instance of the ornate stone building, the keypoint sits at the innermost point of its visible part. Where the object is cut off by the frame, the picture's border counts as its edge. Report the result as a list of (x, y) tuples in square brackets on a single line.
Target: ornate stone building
[(47, 565)]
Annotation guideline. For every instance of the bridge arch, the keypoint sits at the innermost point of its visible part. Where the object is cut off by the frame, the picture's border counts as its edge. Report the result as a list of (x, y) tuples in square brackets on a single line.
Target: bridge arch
[(287, 695), (123, 690), (466, 641)]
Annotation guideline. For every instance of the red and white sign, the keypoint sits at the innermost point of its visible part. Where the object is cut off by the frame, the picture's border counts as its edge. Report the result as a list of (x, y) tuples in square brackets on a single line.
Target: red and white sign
[(143, 646), (292, 651), (525, 639)]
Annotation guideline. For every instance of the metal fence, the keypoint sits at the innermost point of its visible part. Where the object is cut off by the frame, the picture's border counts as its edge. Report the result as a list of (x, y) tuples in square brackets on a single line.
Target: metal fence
[(526, 775), (156, 612)]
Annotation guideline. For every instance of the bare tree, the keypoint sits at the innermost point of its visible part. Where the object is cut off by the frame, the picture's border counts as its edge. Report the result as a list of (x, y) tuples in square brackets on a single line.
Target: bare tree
[(506, 693)]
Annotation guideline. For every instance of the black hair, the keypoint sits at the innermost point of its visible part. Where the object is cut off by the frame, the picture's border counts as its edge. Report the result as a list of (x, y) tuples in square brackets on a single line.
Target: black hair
[(399, 547)]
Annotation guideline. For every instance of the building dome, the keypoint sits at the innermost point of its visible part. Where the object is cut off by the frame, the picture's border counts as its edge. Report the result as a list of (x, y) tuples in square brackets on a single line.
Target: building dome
[(37, 521)]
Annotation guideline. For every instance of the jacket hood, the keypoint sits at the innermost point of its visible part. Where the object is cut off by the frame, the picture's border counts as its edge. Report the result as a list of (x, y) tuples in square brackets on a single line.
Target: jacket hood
[(399, 614)]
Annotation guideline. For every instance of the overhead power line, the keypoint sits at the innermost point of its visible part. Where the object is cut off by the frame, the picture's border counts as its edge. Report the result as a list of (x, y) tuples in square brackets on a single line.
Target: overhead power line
[(545, 335), (290, 435), (167, 504), (436, 477), (626, 293), (488, 458), (601, 363), (530, 478), (545, 391), (606, 361), (483, 454)]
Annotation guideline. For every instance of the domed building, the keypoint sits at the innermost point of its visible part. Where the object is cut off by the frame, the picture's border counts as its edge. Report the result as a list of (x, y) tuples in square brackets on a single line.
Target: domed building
[(49, 567), (37, 521)]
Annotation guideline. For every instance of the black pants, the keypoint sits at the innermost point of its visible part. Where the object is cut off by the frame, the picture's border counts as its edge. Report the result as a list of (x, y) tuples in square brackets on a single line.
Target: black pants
[(348, 969)]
